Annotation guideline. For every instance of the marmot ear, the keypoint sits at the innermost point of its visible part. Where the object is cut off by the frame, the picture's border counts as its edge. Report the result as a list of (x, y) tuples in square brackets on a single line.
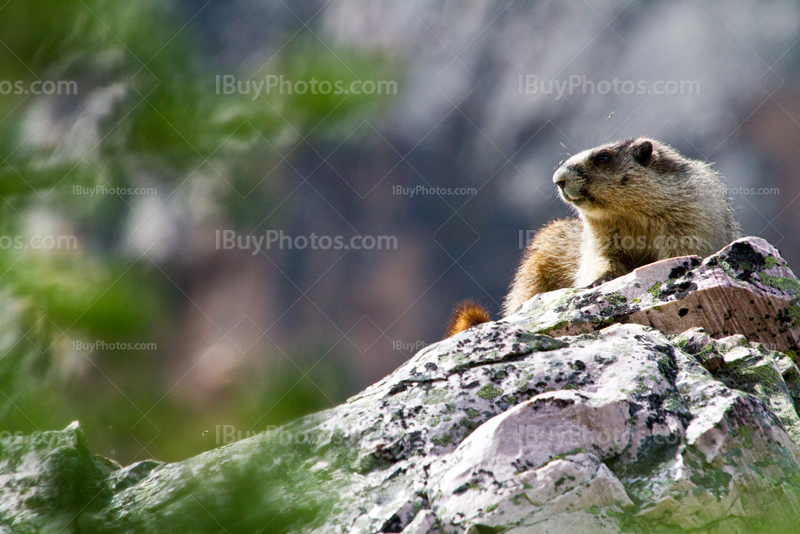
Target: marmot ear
[(643, 151)]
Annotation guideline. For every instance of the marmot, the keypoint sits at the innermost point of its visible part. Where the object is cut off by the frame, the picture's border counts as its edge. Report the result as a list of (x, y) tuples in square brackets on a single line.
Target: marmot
[(638, 201)]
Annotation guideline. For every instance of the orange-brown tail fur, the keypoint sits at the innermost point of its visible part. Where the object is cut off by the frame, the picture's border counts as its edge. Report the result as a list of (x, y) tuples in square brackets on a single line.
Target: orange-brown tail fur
[(466, 315)]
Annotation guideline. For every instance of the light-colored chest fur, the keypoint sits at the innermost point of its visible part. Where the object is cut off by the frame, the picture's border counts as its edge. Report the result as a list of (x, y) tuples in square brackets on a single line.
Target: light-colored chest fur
[(614, 248)]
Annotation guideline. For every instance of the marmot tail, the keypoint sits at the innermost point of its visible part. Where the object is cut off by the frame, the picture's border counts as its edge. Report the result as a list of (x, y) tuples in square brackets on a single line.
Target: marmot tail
[(466, 315)]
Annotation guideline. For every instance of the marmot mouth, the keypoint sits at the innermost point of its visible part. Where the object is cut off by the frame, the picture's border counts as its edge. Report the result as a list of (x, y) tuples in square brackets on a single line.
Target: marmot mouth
[(573, 199)]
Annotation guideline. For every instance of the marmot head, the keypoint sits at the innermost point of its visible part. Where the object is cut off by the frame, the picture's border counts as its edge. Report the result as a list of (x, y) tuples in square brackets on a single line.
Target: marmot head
[(621, 177)]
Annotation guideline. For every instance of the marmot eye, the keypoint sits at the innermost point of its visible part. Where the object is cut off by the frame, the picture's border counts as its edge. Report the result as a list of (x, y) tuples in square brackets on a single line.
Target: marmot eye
[(602, 157)]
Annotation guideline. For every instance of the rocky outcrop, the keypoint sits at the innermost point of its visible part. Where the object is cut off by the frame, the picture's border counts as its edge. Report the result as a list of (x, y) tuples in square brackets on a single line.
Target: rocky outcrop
[(745, 289), (653, 403)]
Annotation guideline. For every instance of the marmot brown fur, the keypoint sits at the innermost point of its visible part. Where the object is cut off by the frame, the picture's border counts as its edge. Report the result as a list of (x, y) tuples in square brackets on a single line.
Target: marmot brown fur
[(638, 201), (465, 315)]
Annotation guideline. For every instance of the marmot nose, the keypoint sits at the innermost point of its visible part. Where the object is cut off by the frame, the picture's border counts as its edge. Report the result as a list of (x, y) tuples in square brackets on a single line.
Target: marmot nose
[(560, 177)]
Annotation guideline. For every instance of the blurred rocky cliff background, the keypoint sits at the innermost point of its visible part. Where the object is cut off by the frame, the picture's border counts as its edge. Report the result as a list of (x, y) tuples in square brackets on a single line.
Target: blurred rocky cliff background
[(490, 97)]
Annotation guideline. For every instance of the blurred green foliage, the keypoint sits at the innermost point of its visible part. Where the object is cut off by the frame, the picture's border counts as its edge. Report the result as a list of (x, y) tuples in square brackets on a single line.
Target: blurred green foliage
[(146, 104)]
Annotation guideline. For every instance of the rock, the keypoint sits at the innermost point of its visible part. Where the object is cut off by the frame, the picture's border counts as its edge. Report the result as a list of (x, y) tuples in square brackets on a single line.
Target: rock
[(52, 475), (612, 426), (746, 288)]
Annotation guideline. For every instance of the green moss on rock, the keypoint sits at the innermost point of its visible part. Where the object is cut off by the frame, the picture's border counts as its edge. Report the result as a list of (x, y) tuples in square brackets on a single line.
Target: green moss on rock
[(489, 392)]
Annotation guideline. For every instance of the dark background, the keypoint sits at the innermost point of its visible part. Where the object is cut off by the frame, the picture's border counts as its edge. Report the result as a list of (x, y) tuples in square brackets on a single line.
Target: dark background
[(248, 340)]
